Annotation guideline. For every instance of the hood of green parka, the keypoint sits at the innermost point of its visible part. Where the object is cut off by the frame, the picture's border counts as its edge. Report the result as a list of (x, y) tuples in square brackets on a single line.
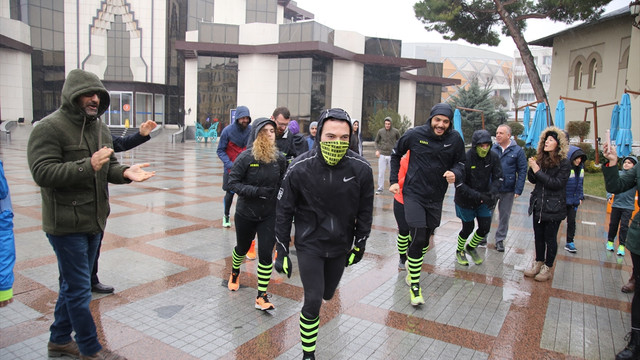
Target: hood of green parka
[(80, 82)]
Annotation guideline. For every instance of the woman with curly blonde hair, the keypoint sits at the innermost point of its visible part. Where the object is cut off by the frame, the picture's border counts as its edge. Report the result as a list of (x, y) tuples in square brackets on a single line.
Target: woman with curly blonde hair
[(548, 171), (255, 176)]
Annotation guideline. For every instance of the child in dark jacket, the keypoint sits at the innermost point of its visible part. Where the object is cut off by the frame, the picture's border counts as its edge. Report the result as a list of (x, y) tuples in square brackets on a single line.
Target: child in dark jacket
[(621, 210), (575, 193)]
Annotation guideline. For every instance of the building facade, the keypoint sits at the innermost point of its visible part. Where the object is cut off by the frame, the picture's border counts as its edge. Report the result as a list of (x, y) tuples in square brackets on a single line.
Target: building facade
[(187, 61), (467, 63), (596, 62)]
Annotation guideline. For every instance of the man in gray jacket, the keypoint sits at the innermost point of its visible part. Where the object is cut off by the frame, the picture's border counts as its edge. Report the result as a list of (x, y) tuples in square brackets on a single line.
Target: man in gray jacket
[(70, 156), (385, 142)]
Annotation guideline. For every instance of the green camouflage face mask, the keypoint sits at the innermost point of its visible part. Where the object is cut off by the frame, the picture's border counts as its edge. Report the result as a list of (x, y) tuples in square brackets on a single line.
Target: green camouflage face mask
[(482, 152), (333, 151)]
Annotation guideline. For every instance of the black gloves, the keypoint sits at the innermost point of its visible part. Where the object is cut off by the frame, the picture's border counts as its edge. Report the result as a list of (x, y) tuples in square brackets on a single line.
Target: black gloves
[(264, 192), (283, 263), (489, 199), (354, 256)]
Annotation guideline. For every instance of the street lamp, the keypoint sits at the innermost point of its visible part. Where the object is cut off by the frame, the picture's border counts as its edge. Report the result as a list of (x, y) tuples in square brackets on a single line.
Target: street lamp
[(634, 9)]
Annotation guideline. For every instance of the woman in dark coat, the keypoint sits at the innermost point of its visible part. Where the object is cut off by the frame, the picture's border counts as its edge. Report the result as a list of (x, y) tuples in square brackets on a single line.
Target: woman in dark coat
[(548, 171), (255, 176)]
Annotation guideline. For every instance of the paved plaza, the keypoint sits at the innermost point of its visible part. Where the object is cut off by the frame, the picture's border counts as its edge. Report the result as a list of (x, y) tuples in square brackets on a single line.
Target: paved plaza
[(169, 258)]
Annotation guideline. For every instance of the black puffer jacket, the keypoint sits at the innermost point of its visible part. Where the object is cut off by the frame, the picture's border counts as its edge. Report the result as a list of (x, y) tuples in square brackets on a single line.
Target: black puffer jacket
[(332, 205), (548, 198), (256, 182), (483, 176)]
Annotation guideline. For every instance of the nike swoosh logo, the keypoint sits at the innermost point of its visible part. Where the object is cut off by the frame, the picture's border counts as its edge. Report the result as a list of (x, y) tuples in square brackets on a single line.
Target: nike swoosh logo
[(447, 145), (487, 165), (348, 179)]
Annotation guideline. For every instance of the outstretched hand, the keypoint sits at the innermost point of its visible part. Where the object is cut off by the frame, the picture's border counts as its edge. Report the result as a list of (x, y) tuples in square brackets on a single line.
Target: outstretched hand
[(136, 173), (147, 127), (610, 153)]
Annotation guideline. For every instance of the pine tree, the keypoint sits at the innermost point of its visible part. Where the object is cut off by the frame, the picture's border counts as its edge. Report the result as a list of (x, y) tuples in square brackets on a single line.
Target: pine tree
[(475, 97)]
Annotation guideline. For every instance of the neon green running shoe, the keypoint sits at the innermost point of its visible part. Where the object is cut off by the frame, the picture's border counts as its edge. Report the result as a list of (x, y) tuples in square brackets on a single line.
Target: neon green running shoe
[(474, 255), (226, 221), (610, 245), (416, 295), (462, 258), (621, 250)]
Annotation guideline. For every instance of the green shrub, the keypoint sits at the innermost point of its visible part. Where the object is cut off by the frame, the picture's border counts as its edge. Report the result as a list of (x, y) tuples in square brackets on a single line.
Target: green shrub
[(520, 142), (516, 128), (591, 167), (579, 128)]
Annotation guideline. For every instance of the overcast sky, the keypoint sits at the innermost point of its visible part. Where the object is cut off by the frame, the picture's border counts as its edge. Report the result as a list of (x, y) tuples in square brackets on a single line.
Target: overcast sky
[(396, 20)]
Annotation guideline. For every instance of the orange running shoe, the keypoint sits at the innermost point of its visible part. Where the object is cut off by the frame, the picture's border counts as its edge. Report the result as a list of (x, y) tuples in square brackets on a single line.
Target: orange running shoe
[(262, 303), (234, 282), (251, 254)]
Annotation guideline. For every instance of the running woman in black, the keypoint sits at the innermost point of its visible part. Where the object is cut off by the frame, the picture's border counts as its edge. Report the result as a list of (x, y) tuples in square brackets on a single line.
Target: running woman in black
[(255, 176), (329, 190)]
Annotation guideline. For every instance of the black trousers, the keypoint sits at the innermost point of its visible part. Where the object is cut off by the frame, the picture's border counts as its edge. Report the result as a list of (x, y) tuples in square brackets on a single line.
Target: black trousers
[(546, 236), (619, 216), (320, 278)]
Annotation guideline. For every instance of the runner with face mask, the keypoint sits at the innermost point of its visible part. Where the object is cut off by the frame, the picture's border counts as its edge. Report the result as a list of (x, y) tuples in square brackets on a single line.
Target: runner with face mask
[(329, 189)]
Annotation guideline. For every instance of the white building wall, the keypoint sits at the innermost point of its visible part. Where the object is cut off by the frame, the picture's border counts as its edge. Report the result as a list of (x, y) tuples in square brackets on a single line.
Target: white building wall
[(86, 46), (407, 100), (15, 74), (191, 84), (258, 74), (258, 84), (609, 40), (232, 12), (348, 77)]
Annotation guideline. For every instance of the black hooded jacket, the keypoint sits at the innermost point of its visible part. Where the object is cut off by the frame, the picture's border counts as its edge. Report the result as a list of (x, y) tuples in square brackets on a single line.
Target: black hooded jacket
[(483, 176), (256, 182), (431, 156), (332, 205)]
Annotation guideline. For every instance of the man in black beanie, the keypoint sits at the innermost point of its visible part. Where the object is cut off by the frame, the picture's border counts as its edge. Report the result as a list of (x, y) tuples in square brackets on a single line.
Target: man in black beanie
[(437, 160)]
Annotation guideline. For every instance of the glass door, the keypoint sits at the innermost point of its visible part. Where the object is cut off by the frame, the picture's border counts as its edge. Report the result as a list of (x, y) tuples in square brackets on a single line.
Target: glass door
[(120, 110)]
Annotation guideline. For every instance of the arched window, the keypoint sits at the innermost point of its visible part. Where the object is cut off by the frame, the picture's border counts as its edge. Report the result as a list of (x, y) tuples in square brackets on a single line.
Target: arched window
[(593, 69), (577, 82)]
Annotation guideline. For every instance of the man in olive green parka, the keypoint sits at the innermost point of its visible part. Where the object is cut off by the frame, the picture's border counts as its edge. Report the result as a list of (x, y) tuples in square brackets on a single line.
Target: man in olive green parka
[(70, 155)]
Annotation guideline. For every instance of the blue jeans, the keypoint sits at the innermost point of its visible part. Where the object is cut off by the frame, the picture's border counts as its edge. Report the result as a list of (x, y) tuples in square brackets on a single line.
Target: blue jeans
[(76, 254)]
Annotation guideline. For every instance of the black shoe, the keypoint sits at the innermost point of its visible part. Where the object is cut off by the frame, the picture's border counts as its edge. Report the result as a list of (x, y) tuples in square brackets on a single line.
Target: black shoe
[(308, 356), (500, 246), (632, 350), (102, 288)]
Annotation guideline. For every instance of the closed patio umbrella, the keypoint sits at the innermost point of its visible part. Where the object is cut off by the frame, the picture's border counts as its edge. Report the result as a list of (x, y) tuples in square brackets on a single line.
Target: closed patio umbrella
[(457, 122), (560, 120), (624, 139), (615, 122), (525, 121), (537, 126)]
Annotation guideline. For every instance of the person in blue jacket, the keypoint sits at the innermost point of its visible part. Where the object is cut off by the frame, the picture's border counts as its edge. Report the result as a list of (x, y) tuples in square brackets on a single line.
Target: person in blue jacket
[(514, 171), (233, 140), (575, 193), (7, 242), (311, 138)]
